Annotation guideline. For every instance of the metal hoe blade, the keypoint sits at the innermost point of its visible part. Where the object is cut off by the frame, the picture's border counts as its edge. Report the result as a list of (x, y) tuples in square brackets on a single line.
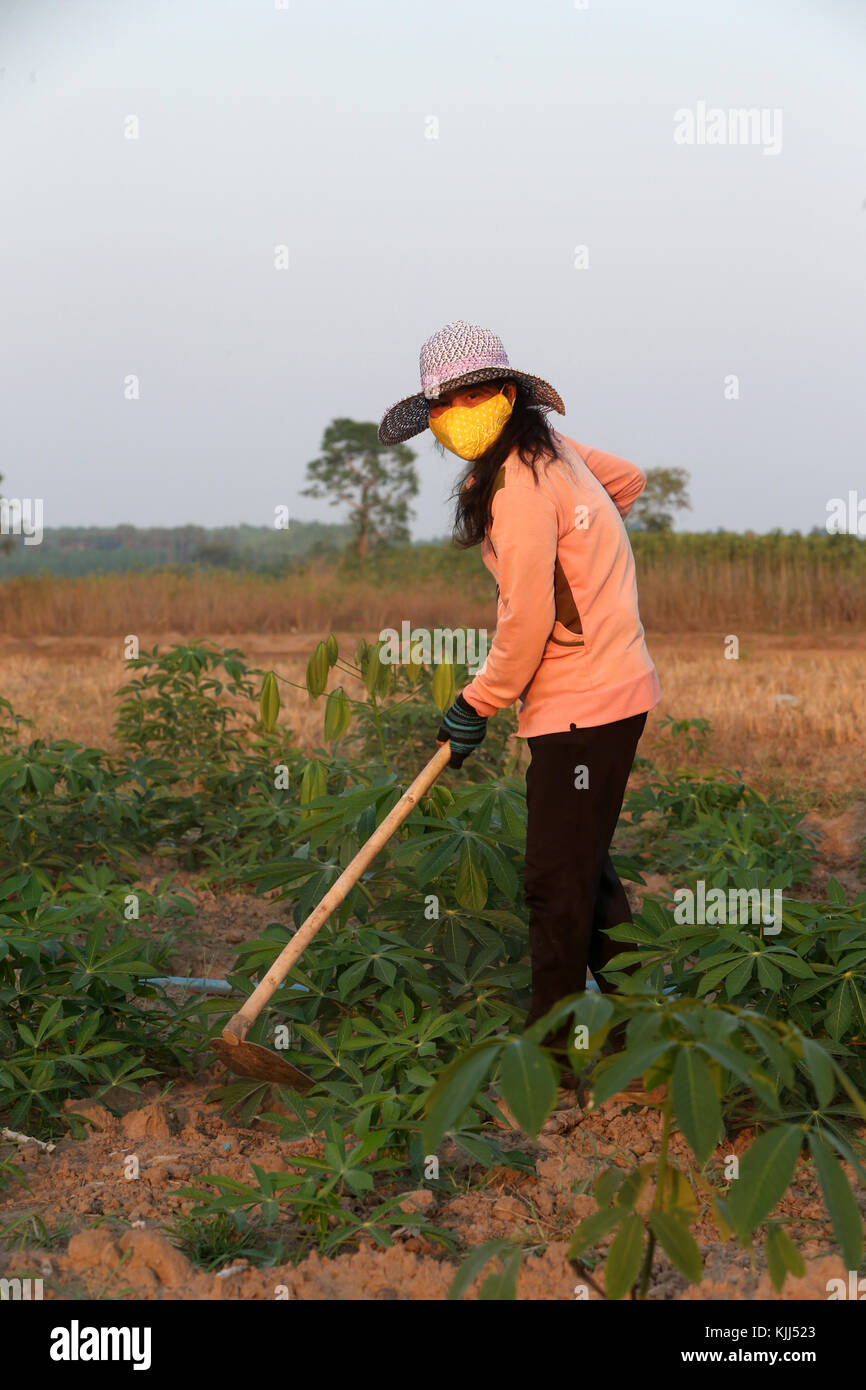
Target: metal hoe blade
[(250, 1059)]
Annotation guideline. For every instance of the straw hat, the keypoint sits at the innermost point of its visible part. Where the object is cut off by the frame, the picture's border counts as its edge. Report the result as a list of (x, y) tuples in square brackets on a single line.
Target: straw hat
[(459, 354)]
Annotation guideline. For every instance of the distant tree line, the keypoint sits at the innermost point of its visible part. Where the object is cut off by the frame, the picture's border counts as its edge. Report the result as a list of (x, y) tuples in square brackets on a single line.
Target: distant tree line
[(74, 550)]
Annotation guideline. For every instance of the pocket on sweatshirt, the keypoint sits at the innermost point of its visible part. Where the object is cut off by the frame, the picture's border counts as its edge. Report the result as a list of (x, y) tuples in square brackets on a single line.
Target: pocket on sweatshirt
[(563, 640)]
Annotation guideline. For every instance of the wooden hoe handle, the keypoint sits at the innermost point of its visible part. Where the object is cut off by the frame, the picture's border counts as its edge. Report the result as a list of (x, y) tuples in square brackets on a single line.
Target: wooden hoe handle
[(239, 1025)]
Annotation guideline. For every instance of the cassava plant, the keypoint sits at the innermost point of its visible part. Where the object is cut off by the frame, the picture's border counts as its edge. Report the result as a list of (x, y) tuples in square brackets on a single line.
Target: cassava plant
[(74, 1021), (808, 968), (693, 1052)]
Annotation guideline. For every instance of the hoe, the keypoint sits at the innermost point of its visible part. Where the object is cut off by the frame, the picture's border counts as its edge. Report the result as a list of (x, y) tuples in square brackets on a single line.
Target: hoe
[(251, 1059)]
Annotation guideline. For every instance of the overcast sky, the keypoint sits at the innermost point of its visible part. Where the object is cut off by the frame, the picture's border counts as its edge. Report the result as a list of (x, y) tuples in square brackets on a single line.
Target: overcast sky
[(310, 126)]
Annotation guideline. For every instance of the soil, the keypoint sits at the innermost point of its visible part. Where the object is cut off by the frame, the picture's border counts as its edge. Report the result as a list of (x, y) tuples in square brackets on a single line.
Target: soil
[(113, 1193)]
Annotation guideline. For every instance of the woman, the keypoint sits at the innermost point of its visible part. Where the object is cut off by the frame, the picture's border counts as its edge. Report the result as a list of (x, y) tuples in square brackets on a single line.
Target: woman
[(569, 644)]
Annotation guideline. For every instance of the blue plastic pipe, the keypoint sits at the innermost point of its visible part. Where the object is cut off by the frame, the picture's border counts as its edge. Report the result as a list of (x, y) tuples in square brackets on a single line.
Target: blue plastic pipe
[(199, 983), (190, 982)]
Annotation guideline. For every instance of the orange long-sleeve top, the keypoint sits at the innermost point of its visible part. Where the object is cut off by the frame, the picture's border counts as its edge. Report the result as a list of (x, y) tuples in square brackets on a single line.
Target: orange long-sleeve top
[(569, 642)]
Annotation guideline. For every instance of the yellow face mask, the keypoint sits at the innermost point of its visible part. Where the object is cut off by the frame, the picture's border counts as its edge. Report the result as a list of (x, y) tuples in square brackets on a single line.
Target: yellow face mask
[(467, 430)]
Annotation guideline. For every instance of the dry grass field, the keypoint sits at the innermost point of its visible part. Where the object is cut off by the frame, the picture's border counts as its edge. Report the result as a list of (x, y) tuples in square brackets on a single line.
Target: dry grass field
[(689, 583), (814, 749)]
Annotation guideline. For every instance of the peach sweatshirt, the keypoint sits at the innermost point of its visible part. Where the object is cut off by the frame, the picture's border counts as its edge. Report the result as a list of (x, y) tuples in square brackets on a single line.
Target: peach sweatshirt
[(569, 643)]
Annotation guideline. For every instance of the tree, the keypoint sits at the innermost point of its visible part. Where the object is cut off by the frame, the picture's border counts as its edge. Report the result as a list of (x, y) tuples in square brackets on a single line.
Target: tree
[(664, 494), (374, 480), (216, 555)]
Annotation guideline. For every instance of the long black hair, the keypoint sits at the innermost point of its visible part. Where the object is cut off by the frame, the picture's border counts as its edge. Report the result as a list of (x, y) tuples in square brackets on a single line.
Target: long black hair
[(525, 429)]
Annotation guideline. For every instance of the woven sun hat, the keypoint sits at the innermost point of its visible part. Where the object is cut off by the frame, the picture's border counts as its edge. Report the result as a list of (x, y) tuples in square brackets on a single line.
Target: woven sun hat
[(459, 354)]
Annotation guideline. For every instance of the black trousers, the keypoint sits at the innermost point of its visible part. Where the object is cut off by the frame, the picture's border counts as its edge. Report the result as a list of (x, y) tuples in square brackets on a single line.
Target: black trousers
[(575, 784)]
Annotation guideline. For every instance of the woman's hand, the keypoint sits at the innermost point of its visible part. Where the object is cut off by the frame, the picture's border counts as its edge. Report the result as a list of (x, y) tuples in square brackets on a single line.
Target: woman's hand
[(465, 727)]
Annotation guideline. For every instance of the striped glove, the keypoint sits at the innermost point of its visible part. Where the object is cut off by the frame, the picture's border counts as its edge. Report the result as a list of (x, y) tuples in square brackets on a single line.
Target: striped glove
[(465, 727)]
